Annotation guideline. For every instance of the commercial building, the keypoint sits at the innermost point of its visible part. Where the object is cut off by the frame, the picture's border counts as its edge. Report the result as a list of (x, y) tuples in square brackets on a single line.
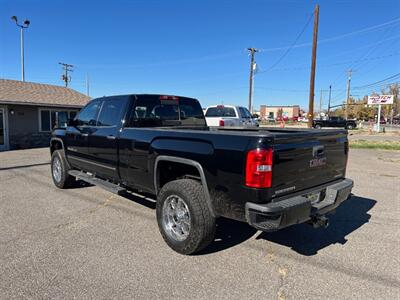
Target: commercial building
[(284, 111), (29, 111)]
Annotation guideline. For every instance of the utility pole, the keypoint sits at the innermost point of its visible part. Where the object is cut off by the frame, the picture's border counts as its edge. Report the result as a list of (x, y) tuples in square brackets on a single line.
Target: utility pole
[(67, 68), (313, 64), (320, 103), (348, 93), (87, 85), (23, 26), (252, 67), (329, 101)]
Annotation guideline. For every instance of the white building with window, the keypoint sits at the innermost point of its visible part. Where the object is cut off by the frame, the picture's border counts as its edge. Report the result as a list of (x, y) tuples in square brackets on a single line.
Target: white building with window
[(29, 111)]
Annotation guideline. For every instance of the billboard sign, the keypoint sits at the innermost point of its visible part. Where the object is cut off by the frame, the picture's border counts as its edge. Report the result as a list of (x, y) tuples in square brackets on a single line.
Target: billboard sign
[(381, 99)]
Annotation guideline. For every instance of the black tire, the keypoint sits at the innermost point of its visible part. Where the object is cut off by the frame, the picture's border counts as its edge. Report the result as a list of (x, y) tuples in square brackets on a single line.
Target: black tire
[(202, 223), (64, 180), (317, 126), (350, 126)]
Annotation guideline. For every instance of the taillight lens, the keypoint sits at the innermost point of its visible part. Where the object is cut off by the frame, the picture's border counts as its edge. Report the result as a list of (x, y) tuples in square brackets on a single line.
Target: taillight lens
[(259, 168), (221, 123)]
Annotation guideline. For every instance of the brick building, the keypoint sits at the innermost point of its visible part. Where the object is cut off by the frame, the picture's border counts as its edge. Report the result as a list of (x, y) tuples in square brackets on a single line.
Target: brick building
[(272, 112)]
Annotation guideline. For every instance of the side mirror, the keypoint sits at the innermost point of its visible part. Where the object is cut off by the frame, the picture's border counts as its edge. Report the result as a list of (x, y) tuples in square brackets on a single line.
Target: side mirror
[(72, 122)]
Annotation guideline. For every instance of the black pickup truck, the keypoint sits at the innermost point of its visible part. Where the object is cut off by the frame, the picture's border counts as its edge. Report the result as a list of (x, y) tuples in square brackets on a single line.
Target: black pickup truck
[(270, 178), (335, 122)]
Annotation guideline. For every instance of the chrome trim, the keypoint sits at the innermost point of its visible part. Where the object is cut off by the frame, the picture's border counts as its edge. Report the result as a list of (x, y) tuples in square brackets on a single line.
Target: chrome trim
[(187, 162), (91, 162)]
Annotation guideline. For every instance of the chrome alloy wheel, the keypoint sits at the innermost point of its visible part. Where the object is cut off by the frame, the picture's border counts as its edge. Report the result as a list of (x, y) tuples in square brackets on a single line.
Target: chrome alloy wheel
[(176, 218), (56, 169)]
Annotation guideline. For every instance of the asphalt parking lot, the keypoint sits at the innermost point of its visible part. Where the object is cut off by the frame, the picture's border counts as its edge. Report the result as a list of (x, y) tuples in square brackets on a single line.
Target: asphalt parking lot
[(88, 243)]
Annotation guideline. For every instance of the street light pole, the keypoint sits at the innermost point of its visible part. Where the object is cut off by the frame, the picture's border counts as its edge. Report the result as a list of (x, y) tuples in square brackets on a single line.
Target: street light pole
[(22, 55), (22, 27)]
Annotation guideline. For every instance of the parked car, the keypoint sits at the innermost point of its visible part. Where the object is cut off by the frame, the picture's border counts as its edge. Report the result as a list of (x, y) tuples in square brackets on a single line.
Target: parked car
[(303, 119), (161, 145), (335, 122), (282, 118), (228, 115)]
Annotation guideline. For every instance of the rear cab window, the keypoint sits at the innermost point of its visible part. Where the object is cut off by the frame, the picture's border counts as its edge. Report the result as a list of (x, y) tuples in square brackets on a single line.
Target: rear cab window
[(221, 111), (154, 110)]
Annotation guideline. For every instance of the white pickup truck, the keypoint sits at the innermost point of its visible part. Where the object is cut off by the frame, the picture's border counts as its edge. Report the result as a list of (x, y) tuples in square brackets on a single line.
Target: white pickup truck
[(228, 115)]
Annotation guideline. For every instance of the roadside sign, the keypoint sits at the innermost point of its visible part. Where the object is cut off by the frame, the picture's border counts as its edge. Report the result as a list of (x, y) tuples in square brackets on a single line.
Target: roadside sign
[(381, 99)]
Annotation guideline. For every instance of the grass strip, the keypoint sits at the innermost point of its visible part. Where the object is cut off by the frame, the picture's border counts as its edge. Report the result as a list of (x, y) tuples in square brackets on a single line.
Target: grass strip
[(383, 145)]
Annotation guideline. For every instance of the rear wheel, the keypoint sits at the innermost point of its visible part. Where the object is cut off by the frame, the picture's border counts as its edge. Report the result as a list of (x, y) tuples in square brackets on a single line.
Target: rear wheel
[(350, 126), (59, 170), (184, 218), (317, 126)]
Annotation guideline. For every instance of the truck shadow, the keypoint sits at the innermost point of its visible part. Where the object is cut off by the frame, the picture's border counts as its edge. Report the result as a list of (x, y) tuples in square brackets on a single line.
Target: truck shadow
[(302, 238), (229, 233), (306, 240)]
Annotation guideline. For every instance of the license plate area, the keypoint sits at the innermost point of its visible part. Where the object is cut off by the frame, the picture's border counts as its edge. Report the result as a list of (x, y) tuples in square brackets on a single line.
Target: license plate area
[(315, 197)]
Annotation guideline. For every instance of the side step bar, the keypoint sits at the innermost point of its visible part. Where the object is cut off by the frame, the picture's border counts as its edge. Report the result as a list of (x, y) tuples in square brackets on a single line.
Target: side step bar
[(109, 186)]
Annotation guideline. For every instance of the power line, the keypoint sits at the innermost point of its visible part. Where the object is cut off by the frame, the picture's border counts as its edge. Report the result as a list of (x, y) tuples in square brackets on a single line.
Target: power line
[(291, 46), (380, 81), (304, 66), (365, 55), (334, 38)]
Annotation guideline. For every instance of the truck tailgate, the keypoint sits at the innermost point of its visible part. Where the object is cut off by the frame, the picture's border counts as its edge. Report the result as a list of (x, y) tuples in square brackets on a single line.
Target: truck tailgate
[(305, 161)]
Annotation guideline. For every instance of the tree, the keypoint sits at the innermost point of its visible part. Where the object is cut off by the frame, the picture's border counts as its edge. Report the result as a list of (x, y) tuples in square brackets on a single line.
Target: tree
[(280, 113), (392, 110), (359, 109)]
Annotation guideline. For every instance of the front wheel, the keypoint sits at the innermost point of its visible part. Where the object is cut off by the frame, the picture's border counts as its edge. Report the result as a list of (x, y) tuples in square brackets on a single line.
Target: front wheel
[(350, 127), (318, 126), (59, 170), (184, 218)]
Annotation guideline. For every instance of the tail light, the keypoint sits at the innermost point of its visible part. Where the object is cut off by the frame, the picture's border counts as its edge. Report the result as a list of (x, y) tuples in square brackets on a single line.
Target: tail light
[(221, 123), (165, 97), (346, 152), (259, 168)]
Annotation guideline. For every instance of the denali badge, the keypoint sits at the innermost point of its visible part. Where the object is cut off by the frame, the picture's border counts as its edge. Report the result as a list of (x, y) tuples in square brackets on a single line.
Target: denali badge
[(316, 162)]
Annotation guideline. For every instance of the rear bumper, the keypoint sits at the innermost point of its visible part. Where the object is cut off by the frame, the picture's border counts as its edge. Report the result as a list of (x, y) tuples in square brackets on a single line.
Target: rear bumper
[(299, 209)]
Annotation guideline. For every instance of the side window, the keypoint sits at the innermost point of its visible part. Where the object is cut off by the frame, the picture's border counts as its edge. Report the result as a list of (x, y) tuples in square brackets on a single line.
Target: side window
[(88, 115), (110, 112), (244, 112)]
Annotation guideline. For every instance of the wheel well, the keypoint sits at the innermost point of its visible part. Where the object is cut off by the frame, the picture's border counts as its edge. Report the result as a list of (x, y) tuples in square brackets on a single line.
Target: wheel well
[(55, 145), (169, 170)]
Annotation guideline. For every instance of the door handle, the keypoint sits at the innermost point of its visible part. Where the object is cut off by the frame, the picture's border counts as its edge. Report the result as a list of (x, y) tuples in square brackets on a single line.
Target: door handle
[(84, 134), (111, 137)]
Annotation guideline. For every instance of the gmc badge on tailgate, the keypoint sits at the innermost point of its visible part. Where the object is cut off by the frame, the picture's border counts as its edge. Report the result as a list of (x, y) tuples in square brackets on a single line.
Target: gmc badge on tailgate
[(319, 158)]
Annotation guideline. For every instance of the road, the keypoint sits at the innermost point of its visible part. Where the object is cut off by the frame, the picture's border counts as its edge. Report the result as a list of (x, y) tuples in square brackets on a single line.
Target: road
[(88, 243)]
